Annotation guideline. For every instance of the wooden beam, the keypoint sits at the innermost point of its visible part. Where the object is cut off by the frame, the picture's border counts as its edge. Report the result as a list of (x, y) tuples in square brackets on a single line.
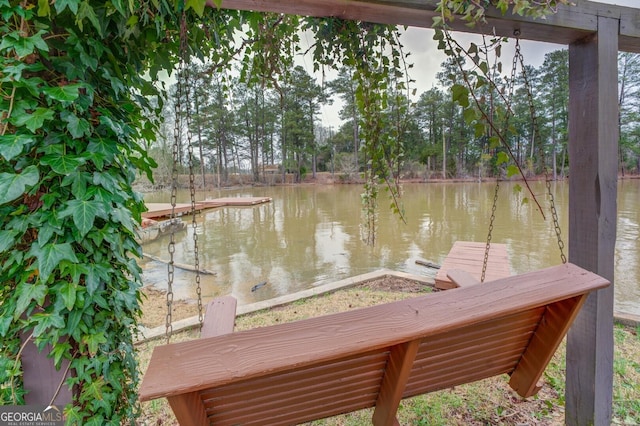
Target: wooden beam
[(593, 148), (569, 24), (551, 330), (394, 381), (189, 409)]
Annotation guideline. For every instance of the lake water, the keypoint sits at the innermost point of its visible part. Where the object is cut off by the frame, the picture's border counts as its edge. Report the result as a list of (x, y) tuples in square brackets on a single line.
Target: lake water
[(311, 235)]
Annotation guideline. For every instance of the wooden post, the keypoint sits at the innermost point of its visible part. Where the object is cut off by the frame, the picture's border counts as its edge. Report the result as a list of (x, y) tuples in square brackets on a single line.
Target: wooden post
[(593, 139), (42, 381)]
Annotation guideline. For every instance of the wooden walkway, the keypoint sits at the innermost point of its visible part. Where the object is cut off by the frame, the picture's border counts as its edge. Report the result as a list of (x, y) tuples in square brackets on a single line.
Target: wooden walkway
[(158, 210), (469, 257)]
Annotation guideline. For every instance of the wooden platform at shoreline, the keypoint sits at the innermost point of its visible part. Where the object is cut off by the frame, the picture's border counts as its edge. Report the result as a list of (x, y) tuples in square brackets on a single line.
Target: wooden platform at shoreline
[(158, 210), (469, 257)]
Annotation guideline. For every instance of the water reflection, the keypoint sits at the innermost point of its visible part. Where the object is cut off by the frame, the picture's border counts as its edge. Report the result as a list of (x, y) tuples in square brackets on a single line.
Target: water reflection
[(311, 235)]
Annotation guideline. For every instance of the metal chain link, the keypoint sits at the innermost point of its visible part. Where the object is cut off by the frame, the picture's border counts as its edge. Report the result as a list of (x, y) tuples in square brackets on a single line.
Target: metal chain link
[(534, 125), (177, 109), (494, 207), (192, 191), (491, 221)]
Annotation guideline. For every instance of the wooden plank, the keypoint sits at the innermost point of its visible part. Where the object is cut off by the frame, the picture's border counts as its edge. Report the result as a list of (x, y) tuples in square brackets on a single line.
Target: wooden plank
[(593, 147), (220, 317), (300, 395), (188, 409), (203, 363), (461, 278), (395, 379), (155, 210), (235, 201), (544, 343), (468, 256), (568, 25)]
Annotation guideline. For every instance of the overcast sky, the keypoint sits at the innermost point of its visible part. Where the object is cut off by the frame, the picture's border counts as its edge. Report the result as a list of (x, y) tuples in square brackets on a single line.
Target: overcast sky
[(427, 58)]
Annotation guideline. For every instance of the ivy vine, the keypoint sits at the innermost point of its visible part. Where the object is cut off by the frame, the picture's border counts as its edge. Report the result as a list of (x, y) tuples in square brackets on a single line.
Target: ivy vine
[(76, 114), (375, 54)]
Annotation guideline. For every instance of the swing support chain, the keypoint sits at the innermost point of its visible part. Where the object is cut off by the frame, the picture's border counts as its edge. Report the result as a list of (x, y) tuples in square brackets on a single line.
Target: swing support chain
[(182, 93), (491, 221), (519, 59)]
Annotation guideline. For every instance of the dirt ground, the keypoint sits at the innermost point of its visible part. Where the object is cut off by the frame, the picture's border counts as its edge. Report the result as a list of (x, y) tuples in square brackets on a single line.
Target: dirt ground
[(154, 307)]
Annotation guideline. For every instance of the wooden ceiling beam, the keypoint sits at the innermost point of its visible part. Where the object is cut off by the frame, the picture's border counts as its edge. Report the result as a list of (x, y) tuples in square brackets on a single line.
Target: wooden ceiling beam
[(569, 24)]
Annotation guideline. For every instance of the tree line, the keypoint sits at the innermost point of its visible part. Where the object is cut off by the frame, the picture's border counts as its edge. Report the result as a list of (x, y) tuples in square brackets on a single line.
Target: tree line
[(264, 130)]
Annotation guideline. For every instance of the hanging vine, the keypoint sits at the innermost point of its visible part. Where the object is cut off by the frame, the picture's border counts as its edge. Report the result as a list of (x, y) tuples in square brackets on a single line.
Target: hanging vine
[(375, 54)]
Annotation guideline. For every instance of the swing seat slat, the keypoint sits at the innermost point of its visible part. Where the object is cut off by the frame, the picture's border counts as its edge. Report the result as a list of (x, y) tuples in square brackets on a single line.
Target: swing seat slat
[(372, 357), (468, 256)]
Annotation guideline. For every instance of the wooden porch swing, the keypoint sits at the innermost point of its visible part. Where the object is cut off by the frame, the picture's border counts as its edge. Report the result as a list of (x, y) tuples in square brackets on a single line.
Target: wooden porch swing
[(372, 357)]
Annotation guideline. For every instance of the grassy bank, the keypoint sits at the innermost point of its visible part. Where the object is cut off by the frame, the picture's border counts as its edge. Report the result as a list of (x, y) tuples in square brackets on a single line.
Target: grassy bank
[(489, 401)]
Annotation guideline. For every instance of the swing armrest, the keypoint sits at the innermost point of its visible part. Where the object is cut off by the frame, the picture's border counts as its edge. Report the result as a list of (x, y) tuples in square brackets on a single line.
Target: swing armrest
[(219, 320), (461, 278), (220, 317)]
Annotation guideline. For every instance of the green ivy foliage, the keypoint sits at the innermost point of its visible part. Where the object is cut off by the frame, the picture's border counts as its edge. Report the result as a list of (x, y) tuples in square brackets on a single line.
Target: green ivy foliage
[(76, 114), (473, 12)]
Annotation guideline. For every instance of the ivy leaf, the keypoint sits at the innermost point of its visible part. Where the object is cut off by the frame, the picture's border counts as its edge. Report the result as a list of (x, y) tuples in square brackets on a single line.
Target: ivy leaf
[(460, 95), (13, 186), (86, 11), (512, 170), (68, 93), (47, 321), (61, 5), (12, 145), (83, 212), (480, 128), (28, 292), (50, 256), (469, 115), (196, 5), (494, 142), (502, 158), (78, 127), (24, 46), (58, 351), (62, 164), (5, 322), (93, 341), (43, 8), (101, 146), (73, 414), (68, 293), (7, 239), (95, 278), (33, 120)]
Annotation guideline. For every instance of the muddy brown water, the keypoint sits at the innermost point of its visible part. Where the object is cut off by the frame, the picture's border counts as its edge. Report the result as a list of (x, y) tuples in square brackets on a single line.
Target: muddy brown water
[(310, 235)]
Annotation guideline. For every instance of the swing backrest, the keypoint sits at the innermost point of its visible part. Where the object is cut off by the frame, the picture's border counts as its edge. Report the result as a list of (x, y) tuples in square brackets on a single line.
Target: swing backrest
[(372, 357)]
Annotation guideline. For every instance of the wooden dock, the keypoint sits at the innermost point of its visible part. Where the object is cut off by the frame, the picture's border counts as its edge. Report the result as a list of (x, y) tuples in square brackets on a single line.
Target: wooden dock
[(159, 210), (469, 257)]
